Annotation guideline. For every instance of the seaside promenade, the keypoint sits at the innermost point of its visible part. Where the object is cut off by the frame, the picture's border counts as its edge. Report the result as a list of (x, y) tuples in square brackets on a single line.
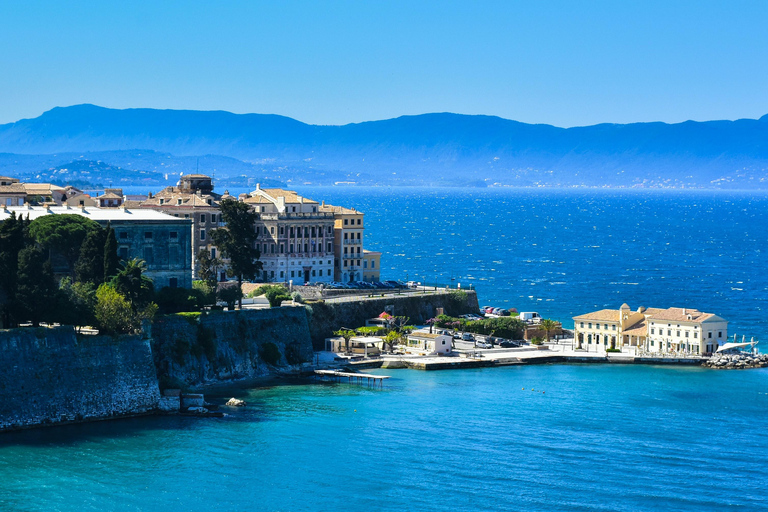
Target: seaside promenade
[(526, 355)]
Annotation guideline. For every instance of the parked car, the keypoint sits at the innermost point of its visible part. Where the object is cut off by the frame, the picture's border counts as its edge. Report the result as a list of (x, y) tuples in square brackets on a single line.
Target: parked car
[(457, 335), (482, 344), (507, 344), (467, 337)]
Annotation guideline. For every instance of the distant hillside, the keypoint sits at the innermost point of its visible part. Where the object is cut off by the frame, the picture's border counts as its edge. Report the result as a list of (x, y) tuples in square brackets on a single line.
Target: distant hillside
[(90, 173), (424, 149)]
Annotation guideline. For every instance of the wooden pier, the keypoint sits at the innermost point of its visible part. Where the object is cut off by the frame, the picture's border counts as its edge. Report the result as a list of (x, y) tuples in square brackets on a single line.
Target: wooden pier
[(359, 378)]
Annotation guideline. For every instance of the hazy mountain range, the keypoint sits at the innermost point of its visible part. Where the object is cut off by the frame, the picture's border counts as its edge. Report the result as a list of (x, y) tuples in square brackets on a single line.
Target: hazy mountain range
[(429, 149)]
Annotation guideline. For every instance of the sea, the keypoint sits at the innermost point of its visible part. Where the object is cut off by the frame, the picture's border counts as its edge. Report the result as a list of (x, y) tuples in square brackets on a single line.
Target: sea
[(543, 437)]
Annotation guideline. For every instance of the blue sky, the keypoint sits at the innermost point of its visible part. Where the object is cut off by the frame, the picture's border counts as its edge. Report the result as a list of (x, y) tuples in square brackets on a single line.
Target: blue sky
[(565, 63)]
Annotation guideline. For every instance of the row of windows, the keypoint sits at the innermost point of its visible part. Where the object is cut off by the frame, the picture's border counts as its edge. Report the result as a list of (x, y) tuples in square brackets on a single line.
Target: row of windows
[(275, 249), (352, 251), (597, 326), (294, 231), (293, 210), (352, 221), (365, 263), (294, 273), (669, 333), (148, 254), (353, 262), (149, 235), (353, 236), (677, 333)]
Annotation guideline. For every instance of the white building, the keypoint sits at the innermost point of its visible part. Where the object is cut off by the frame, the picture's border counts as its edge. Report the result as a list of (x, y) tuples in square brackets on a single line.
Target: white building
[(687, 331), (671, 330), (295, 238), (432, 344)]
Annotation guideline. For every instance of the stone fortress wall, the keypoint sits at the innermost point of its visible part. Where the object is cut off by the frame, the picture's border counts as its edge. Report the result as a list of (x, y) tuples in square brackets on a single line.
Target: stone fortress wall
[(50, 376), (229, 345), (53, 376)]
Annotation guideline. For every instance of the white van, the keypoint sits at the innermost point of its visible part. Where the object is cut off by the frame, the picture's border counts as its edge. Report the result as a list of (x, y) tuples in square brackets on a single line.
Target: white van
[(530, 317)]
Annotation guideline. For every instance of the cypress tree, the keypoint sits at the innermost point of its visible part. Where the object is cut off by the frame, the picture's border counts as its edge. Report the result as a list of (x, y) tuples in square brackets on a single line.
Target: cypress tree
[(12, 241), (111, 261), (36, 286), (90, 265)]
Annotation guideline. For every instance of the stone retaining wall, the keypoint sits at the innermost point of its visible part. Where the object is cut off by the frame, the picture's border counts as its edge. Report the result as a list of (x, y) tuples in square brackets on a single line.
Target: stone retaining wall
[(327, 317), (220, 346), (52, 376)]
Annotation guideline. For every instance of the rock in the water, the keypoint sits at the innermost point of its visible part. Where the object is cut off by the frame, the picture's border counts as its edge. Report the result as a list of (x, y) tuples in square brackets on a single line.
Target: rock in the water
[(235, 402)]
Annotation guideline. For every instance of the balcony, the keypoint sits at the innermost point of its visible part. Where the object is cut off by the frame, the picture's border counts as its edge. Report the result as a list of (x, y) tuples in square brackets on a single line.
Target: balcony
[(352, 242)]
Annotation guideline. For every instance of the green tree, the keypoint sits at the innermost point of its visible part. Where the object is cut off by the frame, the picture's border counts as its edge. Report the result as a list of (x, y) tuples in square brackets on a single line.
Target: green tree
[(112, 311), (111, 260), (237, 241), (63, 235), (548, 326), (275, 295), (392, 338), (90, 265), (131, 283), (36, 286), (208, 271), (12, 241), (76, 303), (231, 295), (347, 334)]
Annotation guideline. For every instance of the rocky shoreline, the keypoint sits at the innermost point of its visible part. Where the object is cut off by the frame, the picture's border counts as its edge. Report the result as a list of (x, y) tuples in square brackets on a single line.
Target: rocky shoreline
[(736, 361)]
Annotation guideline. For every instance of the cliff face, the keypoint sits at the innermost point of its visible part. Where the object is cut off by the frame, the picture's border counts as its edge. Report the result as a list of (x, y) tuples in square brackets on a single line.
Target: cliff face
[(327, 317), (232, 345), (50, 376)]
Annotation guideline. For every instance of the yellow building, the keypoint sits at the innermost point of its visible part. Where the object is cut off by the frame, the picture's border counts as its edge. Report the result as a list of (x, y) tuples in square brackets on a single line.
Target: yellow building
[(371, 266), (349, 228), (677, 330)]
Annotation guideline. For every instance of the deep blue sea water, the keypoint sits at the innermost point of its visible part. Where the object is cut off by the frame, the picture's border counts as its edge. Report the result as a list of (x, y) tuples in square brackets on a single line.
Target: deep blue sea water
[(599, 437), (568, 252)]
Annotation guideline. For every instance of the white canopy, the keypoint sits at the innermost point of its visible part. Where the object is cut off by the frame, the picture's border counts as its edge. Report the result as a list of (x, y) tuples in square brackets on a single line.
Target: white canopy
[(729, 346)]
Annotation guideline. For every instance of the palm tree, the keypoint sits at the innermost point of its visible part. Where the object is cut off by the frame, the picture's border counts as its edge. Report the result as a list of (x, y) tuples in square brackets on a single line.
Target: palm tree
[(347, 334), (548, 326)]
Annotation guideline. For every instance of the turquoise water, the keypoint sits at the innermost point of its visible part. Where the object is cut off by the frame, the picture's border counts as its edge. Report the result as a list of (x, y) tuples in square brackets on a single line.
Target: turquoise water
[(599, 437), (579, 437)]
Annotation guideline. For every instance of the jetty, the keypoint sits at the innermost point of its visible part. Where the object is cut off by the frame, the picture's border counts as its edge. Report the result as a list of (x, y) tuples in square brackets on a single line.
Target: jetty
[(359, 378)]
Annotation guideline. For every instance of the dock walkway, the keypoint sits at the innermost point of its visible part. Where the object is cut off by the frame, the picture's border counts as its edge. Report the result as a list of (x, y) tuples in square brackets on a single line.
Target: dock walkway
[(375, 380)]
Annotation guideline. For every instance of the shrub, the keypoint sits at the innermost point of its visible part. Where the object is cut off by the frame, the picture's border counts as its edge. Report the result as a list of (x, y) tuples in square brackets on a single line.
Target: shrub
[(270, 354), (230, 295), (176, 300), (293, 355), (112, 311), (296, 296), (536, 340), (276, 294), (613, 350), (190, 316), (207, 342)]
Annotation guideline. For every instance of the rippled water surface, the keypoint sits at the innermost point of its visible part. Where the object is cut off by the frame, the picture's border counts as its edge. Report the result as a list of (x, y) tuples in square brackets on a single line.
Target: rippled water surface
[(551, 437), (594, 437), (568, 252)]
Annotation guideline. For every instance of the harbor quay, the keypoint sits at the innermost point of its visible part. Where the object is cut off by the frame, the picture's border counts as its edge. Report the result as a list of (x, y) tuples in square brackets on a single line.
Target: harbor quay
[(525, 355)]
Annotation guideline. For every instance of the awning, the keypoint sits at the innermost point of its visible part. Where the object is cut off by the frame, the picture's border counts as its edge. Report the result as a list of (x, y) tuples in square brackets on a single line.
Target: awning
[(729, 346)]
